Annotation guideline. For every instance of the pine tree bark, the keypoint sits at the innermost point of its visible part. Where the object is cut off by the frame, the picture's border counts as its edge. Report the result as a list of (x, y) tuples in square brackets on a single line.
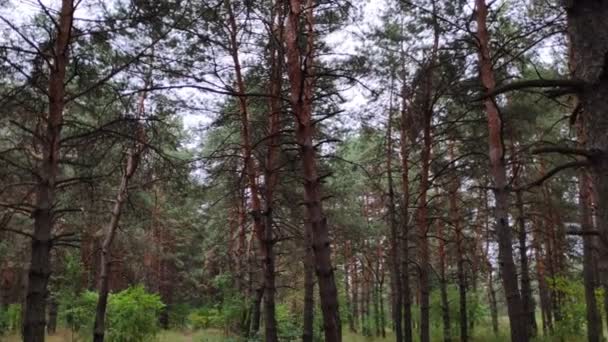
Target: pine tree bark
[(526, 288), (300, 70), (517, 317), (587, 27), (48, 170), (594, 333)]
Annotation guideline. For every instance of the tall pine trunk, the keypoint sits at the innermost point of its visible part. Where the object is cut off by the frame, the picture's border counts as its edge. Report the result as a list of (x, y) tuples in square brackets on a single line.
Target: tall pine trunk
[(517, 316), (40, 268), (300, 69), (588, 34)]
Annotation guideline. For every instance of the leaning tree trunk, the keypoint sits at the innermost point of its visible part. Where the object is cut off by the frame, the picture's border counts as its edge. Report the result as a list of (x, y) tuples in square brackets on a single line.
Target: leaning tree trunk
[(517, 317), (588, 33), (133, 158), (40, 268), (300, 69)]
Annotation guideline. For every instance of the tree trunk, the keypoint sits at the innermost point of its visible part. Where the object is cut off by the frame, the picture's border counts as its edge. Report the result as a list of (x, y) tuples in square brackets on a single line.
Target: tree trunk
[(263, 230), (526, 287), (133, 158), (355, 291), (455, 220), (43, 215), (52, 324), (396, 275), (309, 287), (405, 283), (587, 30), (517, 317), (300, 69), (492, 299), (443, 284), (594, 319)]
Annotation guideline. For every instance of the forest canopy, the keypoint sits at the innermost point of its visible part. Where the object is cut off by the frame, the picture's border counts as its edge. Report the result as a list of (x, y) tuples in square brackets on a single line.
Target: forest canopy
[(314, 170)]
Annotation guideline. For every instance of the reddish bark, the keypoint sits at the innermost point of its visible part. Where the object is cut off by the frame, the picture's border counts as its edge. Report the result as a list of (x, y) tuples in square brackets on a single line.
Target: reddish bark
[(40, 268), (300, 70), (517, 316)]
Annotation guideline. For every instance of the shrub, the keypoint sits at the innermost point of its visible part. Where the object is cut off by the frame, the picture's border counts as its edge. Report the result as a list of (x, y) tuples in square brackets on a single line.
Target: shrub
[(10, 318), (133, 315)]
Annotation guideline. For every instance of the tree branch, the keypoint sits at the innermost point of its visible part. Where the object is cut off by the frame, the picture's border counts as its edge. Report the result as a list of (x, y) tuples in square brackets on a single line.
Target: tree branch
[(553, 172), (572, 85)]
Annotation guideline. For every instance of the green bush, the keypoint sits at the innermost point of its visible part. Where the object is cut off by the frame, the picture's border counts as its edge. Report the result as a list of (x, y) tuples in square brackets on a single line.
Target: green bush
[(132, 315), (287, 324), (10, 318), (573, 308)]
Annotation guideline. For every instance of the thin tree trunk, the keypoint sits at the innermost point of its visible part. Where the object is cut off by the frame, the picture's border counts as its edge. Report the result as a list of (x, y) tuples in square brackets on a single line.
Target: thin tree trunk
[(517, 317), (492, 298), (53, 310), (526, 287), (48, 170), (133, 157), (423, 219), (455, 220), (405, 283), (262, 228), (594, 319), (396, 275), (301, 76), (347, 285), (355, 291), (443, 289), (309, 287), (270, 177)]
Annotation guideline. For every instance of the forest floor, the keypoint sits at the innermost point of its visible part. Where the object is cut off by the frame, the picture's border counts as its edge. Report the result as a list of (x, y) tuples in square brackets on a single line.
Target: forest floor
[(211, 335)]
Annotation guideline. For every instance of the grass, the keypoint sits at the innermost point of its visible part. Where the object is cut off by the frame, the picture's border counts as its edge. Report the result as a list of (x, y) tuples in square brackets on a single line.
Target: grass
[(483, 333)]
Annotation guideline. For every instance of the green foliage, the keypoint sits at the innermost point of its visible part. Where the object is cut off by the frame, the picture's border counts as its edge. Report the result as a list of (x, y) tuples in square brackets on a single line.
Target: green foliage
[(204, 318), (10, 318), (78, 312), (572, 307), (287, 323), (132, 315)]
